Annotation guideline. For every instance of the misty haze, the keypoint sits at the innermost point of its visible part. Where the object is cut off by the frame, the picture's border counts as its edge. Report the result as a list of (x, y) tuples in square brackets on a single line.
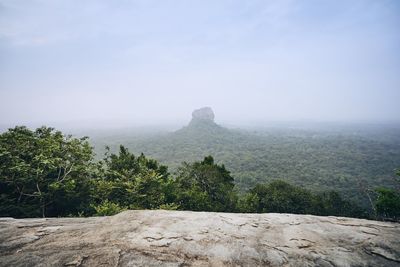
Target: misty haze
[(204, 133)]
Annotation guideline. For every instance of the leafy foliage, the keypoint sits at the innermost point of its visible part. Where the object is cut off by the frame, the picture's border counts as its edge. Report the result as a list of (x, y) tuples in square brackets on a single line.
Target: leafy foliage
[(132, 182), (388, 203), (280, 196), (107, 208), (205, 186), (317, 159), (45, 173)]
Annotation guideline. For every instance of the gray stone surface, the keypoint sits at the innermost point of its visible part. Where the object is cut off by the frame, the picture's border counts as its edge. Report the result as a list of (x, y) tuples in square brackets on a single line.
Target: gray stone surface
[(183, 238), (203, 114)]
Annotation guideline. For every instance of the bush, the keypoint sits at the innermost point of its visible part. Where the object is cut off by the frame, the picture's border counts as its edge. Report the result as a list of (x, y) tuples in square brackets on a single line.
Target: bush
[(107, 208), (388, 204), (169, 206)]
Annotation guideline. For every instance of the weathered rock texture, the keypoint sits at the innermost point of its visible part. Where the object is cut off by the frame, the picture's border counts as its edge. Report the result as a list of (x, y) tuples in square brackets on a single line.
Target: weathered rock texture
[(181, 238), (203, 114)]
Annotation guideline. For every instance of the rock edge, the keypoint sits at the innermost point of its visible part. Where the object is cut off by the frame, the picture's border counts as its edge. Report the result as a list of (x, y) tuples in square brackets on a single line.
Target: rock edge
[(184, 238)]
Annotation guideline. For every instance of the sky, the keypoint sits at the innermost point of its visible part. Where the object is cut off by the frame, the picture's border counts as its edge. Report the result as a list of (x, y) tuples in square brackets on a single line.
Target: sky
[(149, 62)]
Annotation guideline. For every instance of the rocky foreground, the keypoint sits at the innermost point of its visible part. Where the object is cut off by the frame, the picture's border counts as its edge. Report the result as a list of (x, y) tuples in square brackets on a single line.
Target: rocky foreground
[(183, 238)]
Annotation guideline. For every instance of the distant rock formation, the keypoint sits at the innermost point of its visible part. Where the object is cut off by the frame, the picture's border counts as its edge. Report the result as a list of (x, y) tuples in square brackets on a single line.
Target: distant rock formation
[(203, 123), (203, 114), (184, 238)]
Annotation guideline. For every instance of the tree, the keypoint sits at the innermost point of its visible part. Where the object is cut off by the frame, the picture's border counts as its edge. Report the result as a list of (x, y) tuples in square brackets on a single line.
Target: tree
[(205, 186), (331, 203), (280, 196), (43, 173), (388, 202), (131, 182)]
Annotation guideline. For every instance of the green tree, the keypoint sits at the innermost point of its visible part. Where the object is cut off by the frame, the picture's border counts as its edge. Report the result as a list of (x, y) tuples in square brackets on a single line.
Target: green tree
[(43, 173), (282, 197), (331, 203), (388, 203), (205, 186), (131, 182), (279, 196)]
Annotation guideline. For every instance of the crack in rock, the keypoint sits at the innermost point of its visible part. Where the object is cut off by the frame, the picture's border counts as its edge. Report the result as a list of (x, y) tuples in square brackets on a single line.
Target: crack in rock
[(180, 238)]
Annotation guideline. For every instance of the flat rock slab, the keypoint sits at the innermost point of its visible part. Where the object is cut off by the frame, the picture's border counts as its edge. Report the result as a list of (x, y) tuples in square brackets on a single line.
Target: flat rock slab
[(183, 238)]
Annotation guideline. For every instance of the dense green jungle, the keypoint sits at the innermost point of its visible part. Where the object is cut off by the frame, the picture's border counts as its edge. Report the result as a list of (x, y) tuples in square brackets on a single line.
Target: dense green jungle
[(350, 158), (322, 169)]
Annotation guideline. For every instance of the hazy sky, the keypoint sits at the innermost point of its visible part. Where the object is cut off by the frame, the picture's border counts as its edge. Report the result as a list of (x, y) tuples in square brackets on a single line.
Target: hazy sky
[(155, 61)]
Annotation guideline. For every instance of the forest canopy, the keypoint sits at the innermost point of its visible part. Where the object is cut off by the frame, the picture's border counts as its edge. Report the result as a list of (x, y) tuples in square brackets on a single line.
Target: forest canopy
[(318, 157), (45, 173)]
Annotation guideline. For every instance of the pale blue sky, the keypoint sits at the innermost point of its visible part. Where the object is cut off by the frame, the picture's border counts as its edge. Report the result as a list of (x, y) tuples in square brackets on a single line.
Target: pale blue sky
[(155, 61)]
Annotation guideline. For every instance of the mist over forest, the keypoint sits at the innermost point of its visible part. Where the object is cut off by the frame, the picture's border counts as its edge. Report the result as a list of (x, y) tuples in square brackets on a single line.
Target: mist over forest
[(202, 105), (199, 133)]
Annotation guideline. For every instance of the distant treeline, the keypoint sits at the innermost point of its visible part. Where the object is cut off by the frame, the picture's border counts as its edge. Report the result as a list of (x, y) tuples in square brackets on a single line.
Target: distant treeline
[(319, 160), (44, 173)]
